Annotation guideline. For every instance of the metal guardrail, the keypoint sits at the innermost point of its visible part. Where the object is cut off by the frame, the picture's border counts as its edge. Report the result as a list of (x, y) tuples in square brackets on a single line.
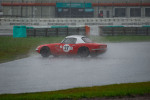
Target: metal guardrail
[(55, 31), (113, 31)]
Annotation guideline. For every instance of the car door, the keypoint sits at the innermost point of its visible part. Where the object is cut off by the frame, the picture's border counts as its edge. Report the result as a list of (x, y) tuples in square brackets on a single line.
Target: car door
[(68, 45), (57, 48), (63, 48)]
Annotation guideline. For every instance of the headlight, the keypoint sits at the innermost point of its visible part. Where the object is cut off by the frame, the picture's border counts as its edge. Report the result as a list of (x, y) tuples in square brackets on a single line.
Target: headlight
[(37, 48)]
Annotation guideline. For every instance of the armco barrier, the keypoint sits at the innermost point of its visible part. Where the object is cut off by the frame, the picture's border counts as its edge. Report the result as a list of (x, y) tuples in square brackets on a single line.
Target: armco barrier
[(24, 31), (57, 31), (121, 30)]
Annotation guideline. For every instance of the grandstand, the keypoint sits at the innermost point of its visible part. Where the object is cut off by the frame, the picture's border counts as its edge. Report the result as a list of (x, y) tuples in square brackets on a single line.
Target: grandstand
[(76, 8), (94, 13)]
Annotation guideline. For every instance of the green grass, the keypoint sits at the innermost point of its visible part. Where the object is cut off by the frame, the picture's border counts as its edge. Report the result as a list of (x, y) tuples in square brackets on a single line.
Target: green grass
[(121, 38), (15, 48), (119, 90)]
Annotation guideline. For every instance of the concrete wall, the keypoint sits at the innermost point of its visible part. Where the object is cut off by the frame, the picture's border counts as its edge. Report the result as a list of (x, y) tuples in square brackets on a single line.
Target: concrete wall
[(6, 24)]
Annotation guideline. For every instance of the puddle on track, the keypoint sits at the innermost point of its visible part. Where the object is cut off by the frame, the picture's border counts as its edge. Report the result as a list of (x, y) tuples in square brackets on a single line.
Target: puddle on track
[(122, 63)]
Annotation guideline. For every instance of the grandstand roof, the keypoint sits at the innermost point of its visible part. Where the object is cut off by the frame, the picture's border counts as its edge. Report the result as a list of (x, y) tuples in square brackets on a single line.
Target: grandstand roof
[(92, 1)]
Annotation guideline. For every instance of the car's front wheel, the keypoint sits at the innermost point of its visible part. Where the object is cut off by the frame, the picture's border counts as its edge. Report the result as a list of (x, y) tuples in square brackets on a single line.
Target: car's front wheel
[(83, 52), (45, 51)]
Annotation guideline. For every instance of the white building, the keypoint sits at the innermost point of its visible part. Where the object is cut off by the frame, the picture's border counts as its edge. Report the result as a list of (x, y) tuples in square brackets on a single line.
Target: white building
[(76, 8), (93, 13)]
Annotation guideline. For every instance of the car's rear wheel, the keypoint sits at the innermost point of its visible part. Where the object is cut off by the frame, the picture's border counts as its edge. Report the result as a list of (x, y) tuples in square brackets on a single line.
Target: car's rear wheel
[(45, 51), (83, 52)]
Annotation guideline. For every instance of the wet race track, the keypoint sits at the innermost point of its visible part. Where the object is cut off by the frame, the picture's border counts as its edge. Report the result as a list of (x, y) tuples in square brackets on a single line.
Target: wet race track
[(122, 63)]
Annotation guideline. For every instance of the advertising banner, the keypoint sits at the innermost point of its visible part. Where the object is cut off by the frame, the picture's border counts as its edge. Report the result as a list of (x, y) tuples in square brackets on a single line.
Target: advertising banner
[(73, 5)]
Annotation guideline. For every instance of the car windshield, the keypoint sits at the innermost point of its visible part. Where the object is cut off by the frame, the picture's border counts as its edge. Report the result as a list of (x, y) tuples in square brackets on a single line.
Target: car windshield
[(87, 40), (69, 41)]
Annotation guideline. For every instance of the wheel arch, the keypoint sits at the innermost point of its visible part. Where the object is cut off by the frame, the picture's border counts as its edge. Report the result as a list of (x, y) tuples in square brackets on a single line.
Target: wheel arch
[(84, 47), (83, 51), (45, 51), (43, 47)]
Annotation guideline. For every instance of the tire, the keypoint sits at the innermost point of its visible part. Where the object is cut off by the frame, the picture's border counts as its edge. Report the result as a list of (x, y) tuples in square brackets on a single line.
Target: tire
[(45, 52), (83, 52)]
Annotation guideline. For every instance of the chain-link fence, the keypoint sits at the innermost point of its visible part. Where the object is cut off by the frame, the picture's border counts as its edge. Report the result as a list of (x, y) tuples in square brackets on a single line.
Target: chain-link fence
[(113, 31), (63, 31)]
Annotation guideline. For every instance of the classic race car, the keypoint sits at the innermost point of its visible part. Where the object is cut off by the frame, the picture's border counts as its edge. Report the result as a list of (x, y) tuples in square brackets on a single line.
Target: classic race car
[(72, 45)]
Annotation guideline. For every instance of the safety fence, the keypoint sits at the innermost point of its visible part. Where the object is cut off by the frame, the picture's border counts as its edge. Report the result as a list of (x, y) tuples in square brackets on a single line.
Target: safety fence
[(121, 30), (25, 31)]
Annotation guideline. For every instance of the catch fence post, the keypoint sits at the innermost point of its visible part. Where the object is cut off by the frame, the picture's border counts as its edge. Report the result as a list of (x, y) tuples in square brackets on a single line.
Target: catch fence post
[(67, 31), (46, 32), (124, 30), (147, 31), (112, 31), (56, 31), (34, 32), (136, 30), (78, 30)]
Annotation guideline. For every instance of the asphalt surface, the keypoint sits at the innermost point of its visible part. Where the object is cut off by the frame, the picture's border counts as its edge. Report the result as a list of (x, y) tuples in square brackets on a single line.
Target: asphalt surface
[(122, 63)]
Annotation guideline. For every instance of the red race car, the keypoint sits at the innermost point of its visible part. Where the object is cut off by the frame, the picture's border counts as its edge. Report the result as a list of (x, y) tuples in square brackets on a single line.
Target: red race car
[(72, 45)]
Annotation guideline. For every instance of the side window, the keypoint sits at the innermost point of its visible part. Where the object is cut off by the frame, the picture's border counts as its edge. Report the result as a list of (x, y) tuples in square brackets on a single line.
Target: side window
[(86, 40), (69, 41)]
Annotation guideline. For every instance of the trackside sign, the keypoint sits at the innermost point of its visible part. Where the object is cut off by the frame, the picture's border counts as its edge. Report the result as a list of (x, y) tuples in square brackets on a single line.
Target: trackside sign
[(73, 5)]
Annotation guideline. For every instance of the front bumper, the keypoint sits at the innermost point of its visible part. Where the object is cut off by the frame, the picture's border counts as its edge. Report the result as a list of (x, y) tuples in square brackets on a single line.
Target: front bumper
[(36, 49)]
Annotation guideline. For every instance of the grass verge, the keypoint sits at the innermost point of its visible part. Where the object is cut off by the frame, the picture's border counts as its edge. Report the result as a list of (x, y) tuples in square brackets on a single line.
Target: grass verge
[(119, 90), (15, 48), (121, 38)]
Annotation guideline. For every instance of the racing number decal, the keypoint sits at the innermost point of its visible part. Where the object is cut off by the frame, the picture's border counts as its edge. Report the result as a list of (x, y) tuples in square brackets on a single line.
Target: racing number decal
[(67, 48)]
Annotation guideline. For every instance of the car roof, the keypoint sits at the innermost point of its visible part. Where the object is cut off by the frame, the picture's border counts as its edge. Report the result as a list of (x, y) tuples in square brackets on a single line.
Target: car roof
[(78, 37), (75, 36)]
